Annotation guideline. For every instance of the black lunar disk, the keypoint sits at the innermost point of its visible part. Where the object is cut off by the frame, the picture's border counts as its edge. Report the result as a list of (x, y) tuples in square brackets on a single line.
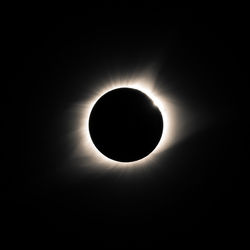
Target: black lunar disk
[(125, 125)]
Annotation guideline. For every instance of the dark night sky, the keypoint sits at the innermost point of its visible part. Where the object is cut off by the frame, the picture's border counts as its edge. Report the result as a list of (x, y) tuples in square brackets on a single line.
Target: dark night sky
[(196, 187)]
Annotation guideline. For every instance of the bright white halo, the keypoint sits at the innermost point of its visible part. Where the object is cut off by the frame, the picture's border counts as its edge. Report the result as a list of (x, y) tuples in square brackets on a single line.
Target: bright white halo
[(88, 151)]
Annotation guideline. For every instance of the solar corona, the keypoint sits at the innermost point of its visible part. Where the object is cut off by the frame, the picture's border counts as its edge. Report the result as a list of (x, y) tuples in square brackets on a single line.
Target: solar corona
[(92, 146)]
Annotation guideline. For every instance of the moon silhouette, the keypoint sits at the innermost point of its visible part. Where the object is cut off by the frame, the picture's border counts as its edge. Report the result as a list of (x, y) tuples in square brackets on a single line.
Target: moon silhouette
[(125, 125)]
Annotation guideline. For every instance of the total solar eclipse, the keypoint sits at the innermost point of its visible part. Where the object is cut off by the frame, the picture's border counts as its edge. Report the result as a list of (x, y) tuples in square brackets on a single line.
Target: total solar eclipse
[(125, 125)]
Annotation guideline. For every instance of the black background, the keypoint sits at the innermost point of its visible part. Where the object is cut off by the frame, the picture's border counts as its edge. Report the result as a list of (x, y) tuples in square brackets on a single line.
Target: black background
[(196, 187)]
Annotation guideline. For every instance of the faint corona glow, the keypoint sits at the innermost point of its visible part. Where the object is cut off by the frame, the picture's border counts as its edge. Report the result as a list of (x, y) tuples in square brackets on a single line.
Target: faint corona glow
[(87, 150)]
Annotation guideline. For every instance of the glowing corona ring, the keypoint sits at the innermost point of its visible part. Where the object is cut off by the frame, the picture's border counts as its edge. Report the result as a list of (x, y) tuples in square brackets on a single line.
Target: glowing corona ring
[(92, 156)]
